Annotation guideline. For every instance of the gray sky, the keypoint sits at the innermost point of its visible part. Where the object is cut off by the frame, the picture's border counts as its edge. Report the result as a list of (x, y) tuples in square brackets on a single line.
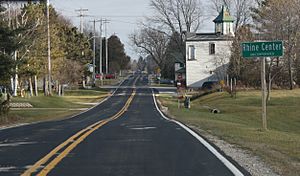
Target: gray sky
[(123, 15)]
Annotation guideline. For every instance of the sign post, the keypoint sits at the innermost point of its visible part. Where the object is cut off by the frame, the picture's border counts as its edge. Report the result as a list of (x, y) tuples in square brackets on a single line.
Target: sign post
[(263, 93), (263, 50)]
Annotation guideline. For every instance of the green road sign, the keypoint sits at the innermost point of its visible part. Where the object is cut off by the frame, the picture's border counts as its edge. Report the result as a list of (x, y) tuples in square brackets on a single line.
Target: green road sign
[(262, 49)]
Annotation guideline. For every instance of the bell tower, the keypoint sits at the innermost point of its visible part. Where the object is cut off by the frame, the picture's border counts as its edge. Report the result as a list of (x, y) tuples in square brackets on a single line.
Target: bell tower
[(224, 22)]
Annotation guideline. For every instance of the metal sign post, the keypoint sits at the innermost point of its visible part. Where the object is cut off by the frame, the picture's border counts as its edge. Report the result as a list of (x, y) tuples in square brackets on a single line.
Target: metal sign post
[(263, 50)]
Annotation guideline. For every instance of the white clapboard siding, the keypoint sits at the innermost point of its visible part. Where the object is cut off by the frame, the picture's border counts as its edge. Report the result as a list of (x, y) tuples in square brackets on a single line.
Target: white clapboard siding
[(199, 70)]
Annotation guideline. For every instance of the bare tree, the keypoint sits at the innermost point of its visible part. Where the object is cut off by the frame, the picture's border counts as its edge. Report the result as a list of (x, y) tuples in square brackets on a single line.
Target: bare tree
[(279, 20), (151, 42), (216, 5), (177, 16), (220, 64)]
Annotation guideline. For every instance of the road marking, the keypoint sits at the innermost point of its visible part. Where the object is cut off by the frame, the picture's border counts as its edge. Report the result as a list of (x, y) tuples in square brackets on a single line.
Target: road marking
[(7, 169), (143, 128), (15, 144), (72, 142), (227, 163)]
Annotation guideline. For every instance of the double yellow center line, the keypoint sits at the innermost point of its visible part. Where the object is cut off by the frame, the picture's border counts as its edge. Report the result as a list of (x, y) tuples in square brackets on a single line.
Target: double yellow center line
[(45, 165)]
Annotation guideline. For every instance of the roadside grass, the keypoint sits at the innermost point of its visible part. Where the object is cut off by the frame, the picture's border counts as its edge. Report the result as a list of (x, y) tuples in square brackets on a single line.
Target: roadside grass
[(162, 85), (110, 82), (240, 123), (54, 107)]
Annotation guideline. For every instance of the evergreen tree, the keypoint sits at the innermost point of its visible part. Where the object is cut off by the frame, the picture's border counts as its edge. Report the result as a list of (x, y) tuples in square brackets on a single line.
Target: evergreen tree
[(118, 60), (8, 44)]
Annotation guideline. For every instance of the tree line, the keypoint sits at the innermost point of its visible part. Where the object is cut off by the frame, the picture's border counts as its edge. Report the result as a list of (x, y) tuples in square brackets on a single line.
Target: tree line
[(272, 20), (23, 49)]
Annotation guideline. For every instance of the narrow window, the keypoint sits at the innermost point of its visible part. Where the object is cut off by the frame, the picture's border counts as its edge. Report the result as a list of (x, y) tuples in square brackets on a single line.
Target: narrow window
[(219, 28), (191, 52), (212, 48), (228, 28)]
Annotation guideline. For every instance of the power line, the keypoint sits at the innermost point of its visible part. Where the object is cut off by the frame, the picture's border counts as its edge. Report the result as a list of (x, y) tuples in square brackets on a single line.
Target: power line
[(127, 22), (81, 15), (119, 16)]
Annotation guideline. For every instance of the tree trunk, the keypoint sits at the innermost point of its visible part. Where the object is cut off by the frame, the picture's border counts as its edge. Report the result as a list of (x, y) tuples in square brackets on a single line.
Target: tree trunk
[(59, 90), (269, 88), (227, 81), (16, 84), (30, 87), (291, 74), (12, 83), (46, 93), (57, 87), (83, 83), (62, 91), (231, 87), (15, 90), (36, 93)]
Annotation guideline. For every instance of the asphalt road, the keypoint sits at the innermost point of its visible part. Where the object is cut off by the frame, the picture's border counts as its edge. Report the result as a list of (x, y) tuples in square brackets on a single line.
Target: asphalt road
[(123, 136)]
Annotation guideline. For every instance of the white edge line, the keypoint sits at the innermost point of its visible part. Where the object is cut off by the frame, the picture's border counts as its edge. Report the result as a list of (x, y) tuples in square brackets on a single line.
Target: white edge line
[(26, 124), (227, 163)]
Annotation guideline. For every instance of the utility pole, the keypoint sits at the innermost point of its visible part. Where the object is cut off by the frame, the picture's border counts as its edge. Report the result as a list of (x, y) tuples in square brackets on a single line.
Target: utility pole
[(94, 50), (106, 47), (9, 25), (81, 15), (100, 62), (49, 50)]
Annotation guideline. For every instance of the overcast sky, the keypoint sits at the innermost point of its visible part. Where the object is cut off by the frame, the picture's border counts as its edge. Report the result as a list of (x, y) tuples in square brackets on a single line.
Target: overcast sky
[(123, 15)]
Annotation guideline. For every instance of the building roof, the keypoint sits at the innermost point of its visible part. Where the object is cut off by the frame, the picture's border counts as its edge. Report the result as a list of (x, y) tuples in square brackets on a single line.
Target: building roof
[(208, 37), (224, 16), (178, 56)]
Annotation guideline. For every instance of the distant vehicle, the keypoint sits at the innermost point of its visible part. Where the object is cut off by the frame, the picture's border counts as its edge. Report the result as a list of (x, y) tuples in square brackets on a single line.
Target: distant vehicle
[(210, 85), (110, 76)]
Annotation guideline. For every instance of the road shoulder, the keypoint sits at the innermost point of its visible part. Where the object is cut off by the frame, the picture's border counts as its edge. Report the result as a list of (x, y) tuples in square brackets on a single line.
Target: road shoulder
[(241, 158)]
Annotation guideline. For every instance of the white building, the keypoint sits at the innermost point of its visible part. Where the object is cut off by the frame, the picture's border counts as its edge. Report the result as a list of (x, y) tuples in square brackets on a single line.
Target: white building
[(207, 54)]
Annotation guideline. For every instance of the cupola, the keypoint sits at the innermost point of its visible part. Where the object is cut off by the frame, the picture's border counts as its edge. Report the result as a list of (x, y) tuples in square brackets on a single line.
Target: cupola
[(224, 22)]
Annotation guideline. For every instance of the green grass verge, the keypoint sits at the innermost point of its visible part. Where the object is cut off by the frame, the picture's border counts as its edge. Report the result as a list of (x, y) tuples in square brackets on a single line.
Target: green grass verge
[(54, 107), (240, 123)]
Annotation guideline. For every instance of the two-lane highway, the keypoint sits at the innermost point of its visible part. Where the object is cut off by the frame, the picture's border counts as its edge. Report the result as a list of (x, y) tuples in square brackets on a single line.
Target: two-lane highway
[(125, 135)]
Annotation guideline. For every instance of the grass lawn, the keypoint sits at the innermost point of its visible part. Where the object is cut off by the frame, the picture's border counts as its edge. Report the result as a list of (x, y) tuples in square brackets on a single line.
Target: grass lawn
[(240, 123), (50, 108)]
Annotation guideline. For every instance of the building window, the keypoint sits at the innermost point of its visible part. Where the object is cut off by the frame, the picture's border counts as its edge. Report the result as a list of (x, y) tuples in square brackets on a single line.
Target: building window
[(212, 48), (218, 27), (227, 28), (191, 52)]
